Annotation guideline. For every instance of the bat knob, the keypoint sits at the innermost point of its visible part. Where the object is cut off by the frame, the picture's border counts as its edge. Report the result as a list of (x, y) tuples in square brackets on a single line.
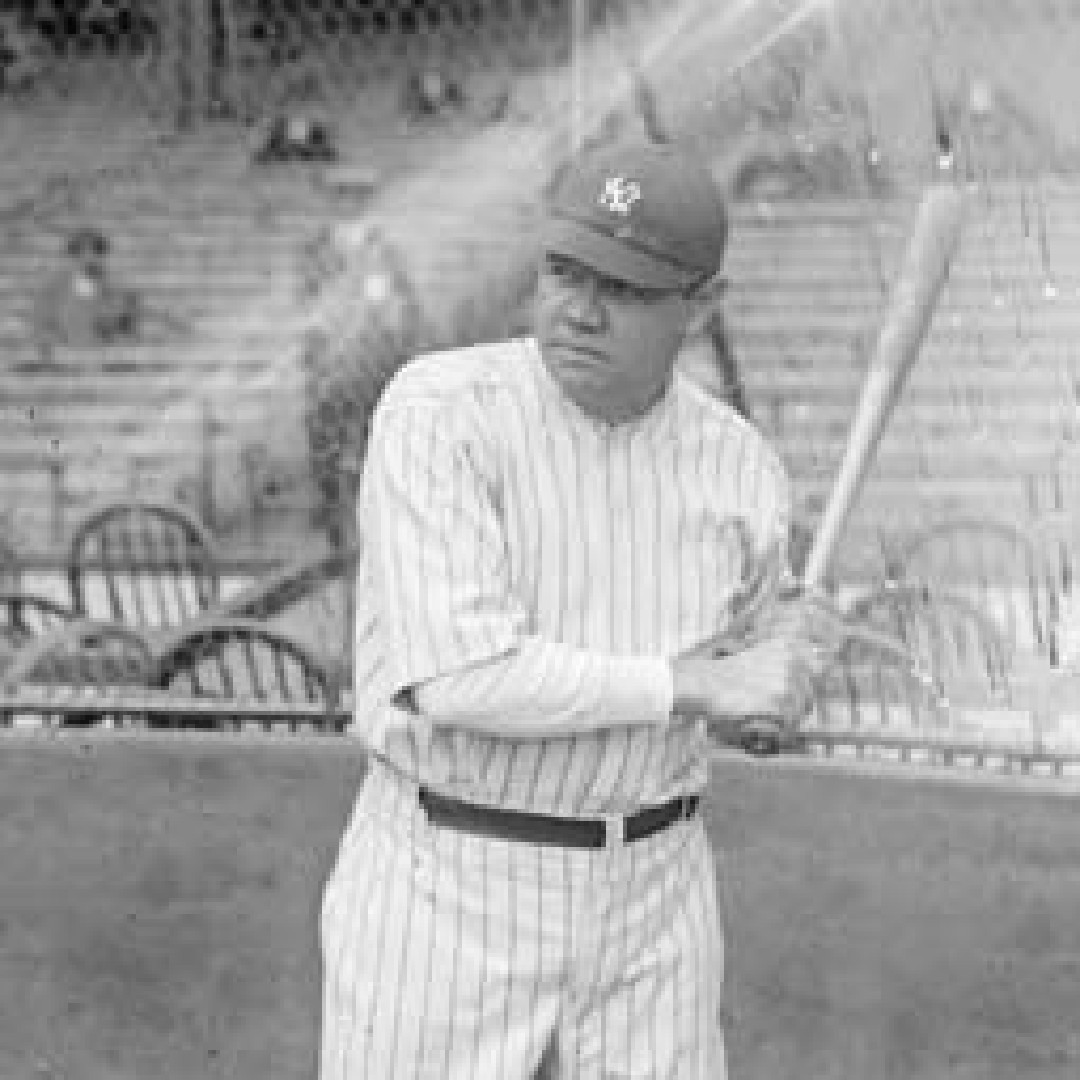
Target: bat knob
[(760, 738)]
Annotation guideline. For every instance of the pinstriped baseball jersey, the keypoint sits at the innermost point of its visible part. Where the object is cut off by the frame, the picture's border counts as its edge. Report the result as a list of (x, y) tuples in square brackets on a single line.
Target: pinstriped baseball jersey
[(533, 570)]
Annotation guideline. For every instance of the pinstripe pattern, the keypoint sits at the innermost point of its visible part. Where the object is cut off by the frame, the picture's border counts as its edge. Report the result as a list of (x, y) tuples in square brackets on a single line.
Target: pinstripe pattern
[(534, 570), (579, 553), (449, 956)]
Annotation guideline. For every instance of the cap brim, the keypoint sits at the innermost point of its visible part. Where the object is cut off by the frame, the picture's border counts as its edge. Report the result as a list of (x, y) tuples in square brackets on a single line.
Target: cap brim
[(612, 257)]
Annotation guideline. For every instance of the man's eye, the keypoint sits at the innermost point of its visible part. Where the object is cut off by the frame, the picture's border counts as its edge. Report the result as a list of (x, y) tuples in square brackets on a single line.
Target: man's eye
[(562, 271), (623, 291)]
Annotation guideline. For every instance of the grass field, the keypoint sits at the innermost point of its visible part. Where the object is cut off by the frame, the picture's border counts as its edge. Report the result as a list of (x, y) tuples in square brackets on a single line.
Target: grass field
[(158, 903)]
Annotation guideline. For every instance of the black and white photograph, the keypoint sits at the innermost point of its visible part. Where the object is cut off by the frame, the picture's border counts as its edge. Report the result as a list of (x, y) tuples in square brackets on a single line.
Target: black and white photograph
[(538, 540)]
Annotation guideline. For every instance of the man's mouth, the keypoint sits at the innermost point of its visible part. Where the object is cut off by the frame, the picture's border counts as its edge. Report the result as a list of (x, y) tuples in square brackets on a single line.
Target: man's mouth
[(577, 346)]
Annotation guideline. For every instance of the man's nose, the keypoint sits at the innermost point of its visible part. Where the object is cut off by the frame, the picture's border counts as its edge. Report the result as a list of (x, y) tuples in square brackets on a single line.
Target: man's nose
[(584, 308)]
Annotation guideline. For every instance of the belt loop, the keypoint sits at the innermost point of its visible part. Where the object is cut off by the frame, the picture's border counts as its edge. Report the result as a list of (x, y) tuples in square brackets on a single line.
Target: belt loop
[(614, 831)]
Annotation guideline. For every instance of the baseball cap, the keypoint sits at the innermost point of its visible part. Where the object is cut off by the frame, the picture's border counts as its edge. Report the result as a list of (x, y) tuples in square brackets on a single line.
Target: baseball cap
[(645, 213)]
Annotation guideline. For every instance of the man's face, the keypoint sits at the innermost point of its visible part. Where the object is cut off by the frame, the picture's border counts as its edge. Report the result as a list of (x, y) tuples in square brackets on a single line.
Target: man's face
[(609, 345)]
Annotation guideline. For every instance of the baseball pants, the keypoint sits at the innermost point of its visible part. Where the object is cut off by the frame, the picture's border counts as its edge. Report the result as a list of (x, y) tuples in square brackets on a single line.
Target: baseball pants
[(449, 956)]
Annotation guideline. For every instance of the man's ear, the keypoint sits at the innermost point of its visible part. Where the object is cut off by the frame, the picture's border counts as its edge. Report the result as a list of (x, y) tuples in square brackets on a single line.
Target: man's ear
[(703, 302), (712, 290)]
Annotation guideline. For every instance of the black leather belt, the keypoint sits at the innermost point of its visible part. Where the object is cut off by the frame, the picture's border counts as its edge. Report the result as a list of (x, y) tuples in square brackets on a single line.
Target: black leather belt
[(547, 829)]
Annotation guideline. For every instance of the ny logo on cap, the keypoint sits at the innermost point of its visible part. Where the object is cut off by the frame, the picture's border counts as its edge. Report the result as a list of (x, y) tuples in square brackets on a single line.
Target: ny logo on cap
[(619, 195)]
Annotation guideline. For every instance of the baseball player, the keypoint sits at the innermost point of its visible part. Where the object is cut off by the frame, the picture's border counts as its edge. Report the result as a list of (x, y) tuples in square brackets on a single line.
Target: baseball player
[(556, 529)]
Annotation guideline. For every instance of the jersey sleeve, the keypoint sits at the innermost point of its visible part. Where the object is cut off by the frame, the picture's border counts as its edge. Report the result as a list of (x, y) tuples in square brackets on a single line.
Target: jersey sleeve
[(455, 633)]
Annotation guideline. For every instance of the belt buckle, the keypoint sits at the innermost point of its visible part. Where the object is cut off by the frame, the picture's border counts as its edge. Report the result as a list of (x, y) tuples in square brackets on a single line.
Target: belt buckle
[(614, 831)]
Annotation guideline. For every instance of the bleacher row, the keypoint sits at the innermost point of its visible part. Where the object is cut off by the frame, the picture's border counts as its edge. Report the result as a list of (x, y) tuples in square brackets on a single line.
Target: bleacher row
[(94, 424), (986, 422)]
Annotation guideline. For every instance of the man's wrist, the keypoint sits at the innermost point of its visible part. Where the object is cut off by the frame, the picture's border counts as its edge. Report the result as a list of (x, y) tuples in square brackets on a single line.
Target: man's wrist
[(639, 684), (687, 698), (689, 694)]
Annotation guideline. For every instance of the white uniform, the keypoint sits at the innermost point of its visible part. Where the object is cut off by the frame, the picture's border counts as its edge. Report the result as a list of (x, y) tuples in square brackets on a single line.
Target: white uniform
[(535, 570)]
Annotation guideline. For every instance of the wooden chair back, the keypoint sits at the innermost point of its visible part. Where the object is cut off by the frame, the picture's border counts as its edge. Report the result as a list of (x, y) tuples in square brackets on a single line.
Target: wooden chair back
[(143, 564), (24, 616), (84, 653), (245, 661)]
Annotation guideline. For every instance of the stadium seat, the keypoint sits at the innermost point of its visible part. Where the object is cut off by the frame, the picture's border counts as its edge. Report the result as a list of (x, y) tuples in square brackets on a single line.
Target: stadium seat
[(24, 616), (83, 656), (143, 564), (244, 662)]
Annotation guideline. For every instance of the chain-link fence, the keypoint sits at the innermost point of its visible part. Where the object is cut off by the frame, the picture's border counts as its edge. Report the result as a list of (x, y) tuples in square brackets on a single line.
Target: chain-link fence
[(204, 58), (910, 82)]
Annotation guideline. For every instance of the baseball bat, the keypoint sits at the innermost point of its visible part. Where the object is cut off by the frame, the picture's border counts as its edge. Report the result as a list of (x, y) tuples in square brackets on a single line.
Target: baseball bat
[(915, 294)]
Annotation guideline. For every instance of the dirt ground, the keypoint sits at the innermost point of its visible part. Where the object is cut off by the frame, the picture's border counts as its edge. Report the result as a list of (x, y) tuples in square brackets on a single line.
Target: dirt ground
[(158, 916)]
